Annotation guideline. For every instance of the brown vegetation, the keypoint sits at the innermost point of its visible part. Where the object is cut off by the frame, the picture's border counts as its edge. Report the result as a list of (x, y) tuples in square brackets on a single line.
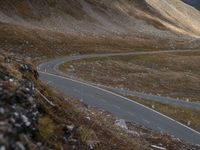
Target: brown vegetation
[(56, 28), (188, 117), (174, 75)]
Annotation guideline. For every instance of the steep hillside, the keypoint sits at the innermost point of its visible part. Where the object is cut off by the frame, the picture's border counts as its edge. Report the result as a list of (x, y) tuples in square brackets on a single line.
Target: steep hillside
[(182, 15), (101, 17), (146, 24)]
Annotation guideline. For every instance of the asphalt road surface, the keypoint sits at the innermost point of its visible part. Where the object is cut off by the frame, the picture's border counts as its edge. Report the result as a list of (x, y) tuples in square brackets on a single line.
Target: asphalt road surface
[(160, 99), (120, 106)]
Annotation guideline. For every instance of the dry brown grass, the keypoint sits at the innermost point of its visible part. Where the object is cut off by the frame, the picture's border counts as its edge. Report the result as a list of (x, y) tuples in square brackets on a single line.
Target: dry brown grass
[(174, 75), (188, 117), (45, 43), (46, 127)]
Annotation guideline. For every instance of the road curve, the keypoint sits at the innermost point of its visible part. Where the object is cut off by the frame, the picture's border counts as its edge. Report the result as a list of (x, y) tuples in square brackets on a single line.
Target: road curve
[(165, 100), (114, 103)]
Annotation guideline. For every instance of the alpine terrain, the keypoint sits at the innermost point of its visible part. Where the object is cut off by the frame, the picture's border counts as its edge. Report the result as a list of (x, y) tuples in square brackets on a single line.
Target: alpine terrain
[(100, 74)]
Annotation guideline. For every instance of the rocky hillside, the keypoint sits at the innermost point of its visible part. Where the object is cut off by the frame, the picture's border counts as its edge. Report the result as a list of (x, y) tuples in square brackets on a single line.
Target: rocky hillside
[(103, 18), (129, 24), (183, 16)]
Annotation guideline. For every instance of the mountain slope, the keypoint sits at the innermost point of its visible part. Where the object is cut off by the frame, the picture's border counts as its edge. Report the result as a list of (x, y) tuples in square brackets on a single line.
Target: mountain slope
[(184, 16), (127, 23)]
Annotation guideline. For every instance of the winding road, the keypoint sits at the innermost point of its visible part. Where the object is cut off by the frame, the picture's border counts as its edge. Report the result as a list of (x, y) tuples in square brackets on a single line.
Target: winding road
[(160, 99), (120, 106)]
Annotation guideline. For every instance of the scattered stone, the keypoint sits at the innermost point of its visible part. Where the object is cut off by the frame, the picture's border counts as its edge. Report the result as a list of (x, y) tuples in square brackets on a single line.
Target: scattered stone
[(7, 59), (88, 118), (19, 110), (20, 146), (2, 147), (70, 127), (25, 120), (2, 111), (133, 133), (121, 123), (158, 147), (189, 123), (24, 67), (11, 80)]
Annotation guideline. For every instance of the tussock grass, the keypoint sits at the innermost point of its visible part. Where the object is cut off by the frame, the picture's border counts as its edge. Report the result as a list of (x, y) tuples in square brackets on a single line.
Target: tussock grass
[(46, 127)]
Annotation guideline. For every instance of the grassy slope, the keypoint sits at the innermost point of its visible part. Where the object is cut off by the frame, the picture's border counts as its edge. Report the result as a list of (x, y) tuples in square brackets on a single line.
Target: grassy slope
[(188, 117), (174, 75)]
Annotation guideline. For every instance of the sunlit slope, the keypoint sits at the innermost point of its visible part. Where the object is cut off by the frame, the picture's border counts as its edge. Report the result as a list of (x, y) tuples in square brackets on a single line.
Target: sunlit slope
[(185, 18), (105, 17), (98, 24)]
